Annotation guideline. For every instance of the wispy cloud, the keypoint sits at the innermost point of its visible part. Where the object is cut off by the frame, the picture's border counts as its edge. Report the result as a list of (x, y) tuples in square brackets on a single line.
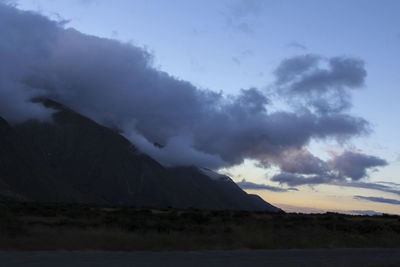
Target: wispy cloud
[(379, 199), (236, 61), (297, 45), (241, 14), (389, 183), (249, 185), (372, 186)]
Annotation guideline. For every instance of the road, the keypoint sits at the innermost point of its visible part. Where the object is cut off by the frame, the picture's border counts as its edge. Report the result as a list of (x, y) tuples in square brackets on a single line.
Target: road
[(314, 257)]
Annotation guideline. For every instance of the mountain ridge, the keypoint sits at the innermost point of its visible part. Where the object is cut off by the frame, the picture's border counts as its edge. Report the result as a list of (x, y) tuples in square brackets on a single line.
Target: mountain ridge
[(74, 159)]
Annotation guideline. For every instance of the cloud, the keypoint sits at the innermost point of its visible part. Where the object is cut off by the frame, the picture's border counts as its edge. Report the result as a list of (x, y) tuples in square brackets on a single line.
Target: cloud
[(117, 85), (243, 8), (87, 2), (253, 186), (322, 83), (397, 157), (389, 183), (301, 161), (379, 200), (17, 56), (236, 61), (372, 186), (242, 27), (9, 2), (300, 167), (177, 151), (292, 179), (297, 45), (354, 165), (240, 15), (348, 166), (247, 53)]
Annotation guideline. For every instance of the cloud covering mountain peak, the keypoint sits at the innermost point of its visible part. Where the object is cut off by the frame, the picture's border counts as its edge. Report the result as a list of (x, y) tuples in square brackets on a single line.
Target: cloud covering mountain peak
[(117, 85)]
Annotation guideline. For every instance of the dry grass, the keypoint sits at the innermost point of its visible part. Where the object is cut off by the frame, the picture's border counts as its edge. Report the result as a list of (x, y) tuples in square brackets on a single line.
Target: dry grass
[(41, 226)]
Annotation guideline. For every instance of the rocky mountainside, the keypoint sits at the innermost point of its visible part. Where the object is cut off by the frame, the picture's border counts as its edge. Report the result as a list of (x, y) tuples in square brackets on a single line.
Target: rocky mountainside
[(74, 159)]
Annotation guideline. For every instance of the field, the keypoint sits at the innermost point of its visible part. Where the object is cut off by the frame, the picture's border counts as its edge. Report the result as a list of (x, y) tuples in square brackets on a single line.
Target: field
[(51, 226)]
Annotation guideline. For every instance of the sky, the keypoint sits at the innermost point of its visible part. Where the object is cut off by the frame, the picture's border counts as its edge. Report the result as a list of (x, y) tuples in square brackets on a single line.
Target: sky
[(295, 100)]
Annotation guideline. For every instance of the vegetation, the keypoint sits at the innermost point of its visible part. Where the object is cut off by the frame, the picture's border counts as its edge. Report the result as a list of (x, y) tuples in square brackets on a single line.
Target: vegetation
[(50, 226)]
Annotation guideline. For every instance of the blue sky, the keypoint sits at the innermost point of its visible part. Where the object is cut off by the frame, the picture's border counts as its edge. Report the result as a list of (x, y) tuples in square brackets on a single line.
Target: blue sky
[(229, 45)]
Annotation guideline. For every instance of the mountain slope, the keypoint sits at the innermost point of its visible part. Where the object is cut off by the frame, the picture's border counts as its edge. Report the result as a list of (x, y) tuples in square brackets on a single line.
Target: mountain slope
[(75, 159), (216, 190), (25, 174)]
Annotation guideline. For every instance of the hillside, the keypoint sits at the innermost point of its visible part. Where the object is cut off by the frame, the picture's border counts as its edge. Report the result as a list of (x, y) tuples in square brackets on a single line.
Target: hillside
[(74, 159)]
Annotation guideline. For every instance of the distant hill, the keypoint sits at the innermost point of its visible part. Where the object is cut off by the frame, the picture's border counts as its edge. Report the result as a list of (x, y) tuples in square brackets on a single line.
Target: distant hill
[(74, 159)]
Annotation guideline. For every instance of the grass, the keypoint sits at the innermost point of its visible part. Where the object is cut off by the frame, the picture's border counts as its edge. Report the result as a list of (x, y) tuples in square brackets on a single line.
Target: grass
[(52, 226)]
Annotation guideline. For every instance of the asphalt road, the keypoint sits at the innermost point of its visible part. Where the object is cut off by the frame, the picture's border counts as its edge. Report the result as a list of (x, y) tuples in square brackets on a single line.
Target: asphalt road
[(314, 257)]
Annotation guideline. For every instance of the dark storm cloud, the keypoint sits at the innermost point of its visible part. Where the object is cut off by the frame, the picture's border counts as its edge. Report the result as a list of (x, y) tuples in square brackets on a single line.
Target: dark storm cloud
[(354, 165), (322, 83), (116, 84), (379, 200), (253, 186)]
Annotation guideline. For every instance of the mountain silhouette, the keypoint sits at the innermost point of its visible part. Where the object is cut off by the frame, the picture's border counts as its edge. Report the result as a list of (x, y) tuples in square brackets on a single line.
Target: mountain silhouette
[(74, 159)]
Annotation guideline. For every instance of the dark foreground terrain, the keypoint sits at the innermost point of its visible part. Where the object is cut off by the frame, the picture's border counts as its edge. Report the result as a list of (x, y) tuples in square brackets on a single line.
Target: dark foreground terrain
[(35, 226), (311, 257)]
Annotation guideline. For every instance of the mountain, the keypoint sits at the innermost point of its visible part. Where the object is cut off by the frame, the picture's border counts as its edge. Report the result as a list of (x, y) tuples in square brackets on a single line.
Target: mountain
[(74, 159), (24, 173)]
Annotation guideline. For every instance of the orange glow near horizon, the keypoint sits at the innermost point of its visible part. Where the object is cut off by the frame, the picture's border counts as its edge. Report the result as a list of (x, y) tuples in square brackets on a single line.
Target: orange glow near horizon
[(308, 200)]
